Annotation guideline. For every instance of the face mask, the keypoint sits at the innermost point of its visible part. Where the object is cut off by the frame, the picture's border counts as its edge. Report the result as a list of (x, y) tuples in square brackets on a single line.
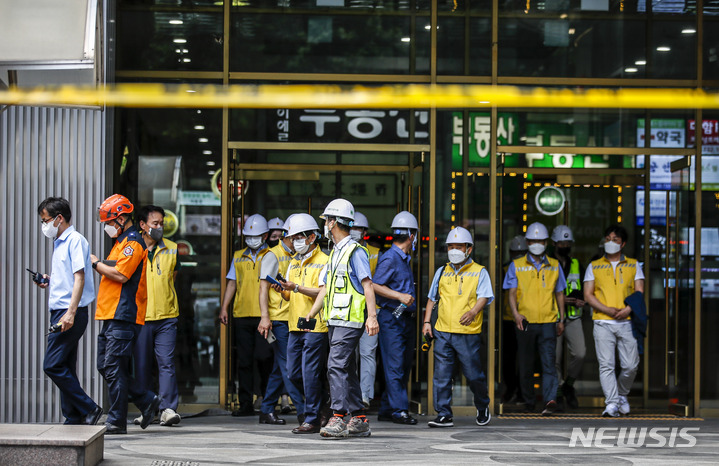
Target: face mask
[(112, 231), (49, 229), (564, 251), (273, 242), (537, 249), (610, 247), (155, 234), (301, 245), (456, 256), (328, 235), (253, 242), (356, 235)]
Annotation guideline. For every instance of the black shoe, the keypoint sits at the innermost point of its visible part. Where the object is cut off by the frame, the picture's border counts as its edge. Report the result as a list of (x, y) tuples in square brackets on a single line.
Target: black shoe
[(385, 418), (441, 421), (405, 419), (93, 416), (244, 411), (149, 413), (483, 417), (570, 396), (112, 429), (271, 418)]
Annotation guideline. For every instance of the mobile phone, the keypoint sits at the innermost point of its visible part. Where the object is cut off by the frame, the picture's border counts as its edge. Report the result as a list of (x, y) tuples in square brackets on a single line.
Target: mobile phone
[(280, 278), (304, 324), (272, 281), (271, 337), (525, 324)]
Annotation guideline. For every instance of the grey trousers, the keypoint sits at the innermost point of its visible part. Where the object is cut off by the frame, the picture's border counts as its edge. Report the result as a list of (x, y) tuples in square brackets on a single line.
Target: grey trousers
[(608, 338), (345, 391), (368, 364), (574, 336)]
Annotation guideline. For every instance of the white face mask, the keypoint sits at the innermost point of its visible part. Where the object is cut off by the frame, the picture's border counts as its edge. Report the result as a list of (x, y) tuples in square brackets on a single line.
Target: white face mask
[(112, 231), (301, 245), (610, 247), (356, 235), (537, 249), (456, 256), (253, 242), (49, 229), (328, 235)]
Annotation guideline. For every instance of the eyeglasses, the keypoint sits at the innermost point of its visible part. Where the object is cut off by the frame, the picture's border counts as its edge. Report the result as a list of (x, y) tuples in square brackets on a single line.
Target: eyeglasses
[(45, 221)]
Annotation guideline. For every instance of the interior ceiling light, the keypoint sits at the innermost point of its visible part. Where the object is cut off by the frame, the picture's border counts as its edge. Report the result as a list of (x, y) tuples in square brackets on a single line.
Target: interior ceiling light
[(203, 139), (199, 127), (210, 163), (663, 48), (630, 70), (405, 39), (640, 62), (186, 60), (207, 152), (689, 31), (175, 21), (179, 41)]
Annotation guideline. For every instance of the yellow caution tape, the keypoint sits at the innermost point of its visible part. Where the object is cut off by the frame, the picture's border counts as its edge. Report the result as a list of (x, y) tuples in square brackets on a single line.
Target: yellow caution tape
[(335, 96)]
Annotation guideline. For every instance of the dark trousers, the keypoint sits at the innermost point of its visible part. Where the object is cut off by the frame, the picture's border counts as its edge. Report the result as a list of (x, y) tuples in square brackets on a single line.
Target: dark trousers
[(60, 365), (345, 391), (114, 356), (541, 338), (510, 373), (251, 346), (306, 356), (278, 382), (396, 342), (156, 342)]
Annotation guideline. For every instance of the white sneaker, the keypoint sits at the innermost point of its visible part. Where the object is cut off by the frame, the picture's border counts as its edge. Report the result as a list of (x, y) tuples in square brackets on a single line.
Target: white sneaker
[(623, 405), (611, 411), (169, 417), (138, 420)]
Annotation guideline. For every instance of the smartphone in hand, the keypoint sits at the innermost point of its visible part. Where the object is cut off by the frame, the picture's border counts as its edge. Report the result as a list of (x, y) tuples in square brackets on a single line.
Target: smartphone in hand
[(304, 324)]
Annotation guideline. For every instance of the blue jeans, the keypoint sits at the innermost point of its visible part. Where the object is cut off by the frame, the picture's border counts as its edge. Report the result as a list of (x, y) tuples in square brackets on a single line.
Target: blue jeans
[(396, 342), (158, 337), (114, 354), (278, 383), (465, 347), (542, 338), (60, 365), (306, 356)]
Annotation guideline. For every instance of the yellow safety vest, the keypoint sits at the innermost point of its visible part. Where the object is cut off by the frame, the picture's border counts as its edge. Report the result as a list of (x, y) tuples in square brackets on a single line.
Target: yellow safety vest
[(305, 273), (373, 257), (344, 306), (276, 305), (457, 295), (612, 286), (160, 272), (535, 289), (247, 273)]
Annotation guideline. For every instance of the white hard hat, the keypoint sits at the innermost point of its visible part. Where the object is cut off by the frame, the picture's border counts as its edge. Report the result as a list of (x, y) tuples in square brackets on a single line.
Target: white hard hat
[(275, 224), (255, 225), (404, 220), (360, 220), (518, 243), (302, 223), (342, 209), (562, 233), (537, 231), (459, 235)]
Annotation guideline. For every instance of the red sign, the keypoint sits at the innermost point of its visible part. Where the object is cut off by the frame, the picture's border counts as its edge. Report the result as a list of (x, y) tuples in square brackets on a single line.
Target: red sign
[(710, 135)]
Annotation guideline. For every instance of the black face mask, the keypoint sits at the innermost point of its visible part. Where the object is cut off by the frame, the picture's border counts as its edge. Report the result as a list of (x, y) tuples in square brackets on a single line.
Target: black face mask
[(272, 242), (564, 251)]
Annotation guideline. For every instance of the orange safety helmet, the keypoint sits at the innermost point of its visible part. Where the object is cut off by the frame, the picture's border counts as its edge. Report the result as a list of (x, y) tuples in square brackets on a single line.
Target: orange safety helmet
[(113, 207)]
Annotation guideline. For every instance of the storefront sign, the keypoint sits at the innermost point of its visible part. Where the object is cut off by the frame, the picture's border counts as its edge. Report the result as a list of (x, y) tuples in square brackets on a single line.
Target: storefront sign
[(198, 198), (710, 136), (664, 133), (549, 200), (479, 138)]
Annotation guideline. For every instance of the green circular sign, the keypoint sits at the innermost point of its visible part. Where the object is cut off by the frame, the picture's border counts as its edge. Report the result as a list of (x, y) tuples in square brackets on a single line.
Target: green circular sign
[(550, 200)]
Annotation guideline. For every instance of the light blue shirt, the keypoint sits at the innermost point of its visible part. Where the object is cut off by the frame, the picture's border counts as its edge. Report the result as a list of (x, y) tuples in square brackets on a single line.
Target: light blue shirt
[(510, 280), (484, 285), (71, 254), (359, 265)]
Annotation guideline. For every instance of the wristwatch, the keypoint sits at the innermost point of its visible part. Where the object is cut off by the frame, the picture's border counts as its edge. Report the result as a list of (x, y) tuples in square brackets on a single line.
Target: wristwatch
[(94, 264), (297, 288)]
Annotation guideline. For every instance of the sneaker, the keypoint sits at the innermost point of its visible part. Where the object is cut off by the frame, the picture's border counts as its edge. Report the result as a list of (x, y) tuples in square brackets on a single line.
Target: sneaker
[(169, 417), (611, 411), (138, 420), (336, 427), (623, 405), (441, 421), (483, 417), (570, 395), (550, 408), (358, 427)]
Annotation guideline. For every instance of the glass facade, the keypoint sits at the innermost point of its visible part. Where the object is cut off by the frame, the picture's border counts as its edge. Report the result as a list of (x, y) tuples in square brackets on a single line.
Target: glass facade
[(471, 167)]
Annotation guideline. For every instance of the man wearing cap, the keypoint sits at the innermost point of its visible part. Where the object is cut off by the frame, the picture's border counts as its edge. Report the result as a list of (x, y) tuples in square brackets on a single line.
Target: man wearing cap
[(510, 375), (393, 284), (348, 305), (306, 349), (367, 344), (536, 290), (461, 288), (247, 268), (573, 335), (275, 311), (121, 305)]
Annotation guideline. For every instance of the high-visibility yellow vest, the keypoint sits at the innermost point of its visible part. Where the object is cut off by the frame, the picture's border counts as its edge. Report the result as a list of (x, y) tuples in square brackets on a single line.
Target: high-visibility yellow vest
[(535, 289), (305, 273), (247, 272), (612, 286), (160, 273), (276, 304), (373, 257), (457, 295), (344, 306)]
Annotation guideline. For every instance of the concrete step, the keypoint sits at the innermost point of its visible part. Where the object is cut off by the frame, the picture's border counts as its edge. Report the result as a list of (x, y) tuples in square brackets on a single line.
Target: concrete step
[(43, 444)]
